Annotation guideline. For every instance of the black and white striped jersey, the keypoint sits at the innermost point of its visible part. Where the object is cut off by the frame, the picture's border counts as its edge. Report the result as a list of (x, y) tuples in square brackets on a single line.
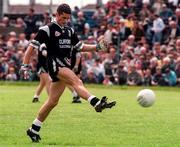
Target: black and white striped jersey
[(59, 40)]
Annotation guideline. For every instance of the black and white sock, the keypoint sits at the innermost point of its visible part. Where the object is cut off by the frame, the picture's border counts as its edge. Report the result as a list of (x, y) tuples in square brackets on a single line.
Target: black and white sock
[(93, 100), (36, 126), (36, 96)]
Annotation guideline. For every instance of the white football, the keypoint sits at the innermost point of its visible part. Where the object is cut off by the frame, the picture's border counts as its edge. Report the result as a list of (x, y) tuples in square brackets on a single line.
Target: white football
[(146, 97)]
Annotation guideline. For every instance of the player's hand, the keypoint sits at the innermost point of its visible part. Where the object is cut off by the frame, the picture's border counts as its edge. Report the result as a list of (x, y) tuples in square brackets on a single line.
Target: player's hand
[(24, 71), (43, 49), (44, 53), (102, 44), (75, 69)]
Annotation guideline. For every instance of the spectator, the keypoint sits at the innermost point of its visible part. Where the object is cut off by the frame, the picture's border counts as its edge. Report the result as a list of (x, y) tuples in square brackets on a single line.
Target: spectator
[(87, 32), (91, 78), (165, 13), (177, 70), (170, 77), (30, 21), (4, 67), (5, 22), (20, 23), (131, 41), (75, 12), (122, 74), (11, 76), (114, 56), (158, 27), (173, 3), (138, 30), (108, 71), (165, 64), (157, 78), (22, 40), (147, 79), (176, 17), (124, 30), (1, 70), (99, 14), (12, 39), (46, 18), (134, 78), (177, 46), (32, 35), (157, 50), (157, 7), (107, 81), (129, 21), (173, 31), (98, 70), (108, 33), (80, 23), (144, 12)]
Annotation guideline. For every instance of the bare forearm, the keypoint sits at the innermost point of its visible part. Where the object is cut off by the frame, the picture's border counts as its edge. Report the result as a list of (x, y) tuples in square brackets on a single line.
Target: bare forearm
[(28, 55), (77, 61), (88, 48), (101, 45)]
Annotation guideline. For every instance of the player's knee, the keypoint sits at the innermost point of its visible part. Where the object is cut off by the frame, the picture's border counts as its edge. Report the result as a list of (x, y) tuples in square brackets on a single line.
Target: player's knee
[(77, 81), (52, 104), (80, 82)]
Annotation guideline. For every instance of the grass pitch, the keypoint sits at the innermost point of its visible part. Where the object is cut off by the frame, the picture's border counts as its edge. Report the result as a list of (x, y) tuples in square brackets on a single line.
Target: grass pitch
[(126, 125)]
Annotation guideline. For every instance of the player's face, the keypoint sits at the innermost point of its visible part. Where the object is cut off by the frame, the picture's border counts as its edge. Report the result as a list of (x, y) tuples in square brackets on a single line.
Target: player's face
[(63, 18)]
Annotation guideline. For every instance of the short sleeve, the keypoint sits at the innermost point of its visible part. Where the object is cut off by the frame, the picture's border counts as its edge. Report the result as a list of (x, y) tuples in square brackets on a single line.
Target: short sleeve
[(74, 38), (77, 44), (41, 37)]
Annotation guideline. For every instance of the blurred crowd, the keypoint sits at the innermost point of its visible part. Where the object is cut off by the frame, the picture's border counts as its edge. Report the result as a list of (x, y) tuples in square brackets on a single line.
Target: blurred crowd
[(144, 38)]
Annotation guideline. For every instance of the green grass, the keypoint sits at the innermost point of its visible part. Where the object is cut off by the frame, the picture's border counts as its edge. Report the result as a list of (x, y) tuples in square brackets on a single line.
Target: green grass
[(126, 125)]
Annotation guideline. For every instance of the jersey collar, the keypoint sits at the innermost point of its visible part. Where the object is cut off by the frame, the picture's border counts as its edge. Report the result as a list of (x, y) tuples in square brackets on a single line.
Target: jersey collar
[(55, 22)]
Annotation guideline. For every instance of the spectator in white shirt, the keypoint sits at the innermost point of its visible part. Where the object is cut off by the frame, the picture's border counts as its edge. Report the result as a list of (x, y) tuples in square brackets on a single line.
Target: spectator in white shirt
[(158, 27)]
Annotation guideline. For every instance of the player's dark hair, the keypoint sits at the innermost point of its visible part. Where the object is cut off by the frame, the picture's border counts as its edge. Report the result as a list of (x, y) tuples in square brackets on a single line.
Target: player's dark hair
[(64, 8)]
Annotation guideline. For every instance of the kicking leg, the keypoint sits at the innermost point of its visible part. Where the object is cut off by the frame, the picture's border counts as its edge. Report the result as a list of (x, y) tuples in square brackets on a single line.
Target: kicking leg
[(71, 79)]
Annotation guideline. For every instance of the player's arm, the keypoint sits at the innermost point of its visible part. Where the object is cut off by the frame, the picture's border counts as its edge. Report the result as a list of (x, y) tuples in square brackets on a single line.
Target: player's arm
[(102, 45), (25, 67), (37, 44), (28, 54), (24, 70), (88, 48), (80, 46), (34, 45)]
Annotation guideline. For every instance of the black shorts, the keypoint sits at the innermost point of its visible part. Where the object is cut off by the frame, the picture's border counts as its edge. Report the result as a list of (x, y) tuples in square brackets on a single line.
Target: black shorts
[(42, 64), (53, 66), (41, 68)]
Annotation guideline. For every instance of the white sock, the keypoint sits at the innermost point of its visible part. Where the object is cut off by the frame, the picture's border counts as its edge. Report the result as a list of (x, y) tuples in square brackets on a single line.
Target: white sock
[(37, 122), (90, 98), (37, 96), (74, 93)]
